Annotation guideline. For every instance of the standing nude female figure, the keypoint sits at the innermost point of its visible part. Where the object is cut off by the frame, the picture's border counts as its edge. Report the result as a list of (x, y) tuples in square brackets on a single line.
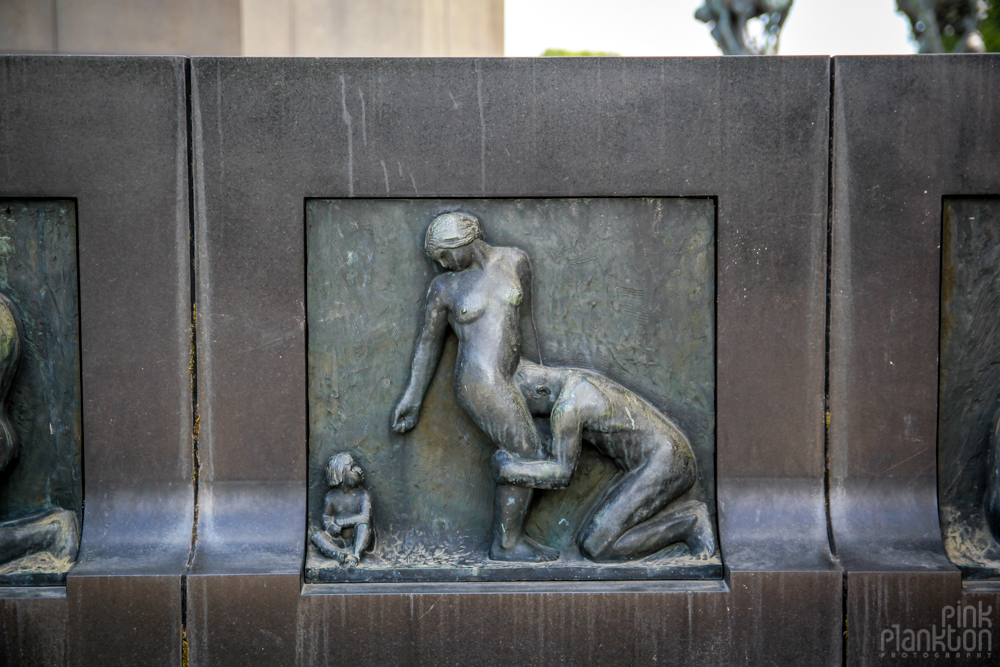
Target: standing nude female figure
[(483, 296)]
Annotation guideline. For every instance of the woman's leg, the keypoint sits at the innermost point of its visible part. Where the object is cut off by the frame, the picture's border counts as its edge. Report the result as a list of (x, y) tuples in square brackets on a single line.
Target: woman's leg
[(499, 410)]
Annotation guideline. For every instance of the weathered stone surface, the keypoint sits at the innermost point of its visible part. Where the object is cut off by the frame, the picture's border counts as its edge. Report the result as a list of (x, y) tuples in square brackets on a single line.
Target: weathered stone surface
[(270, 135), (909, 133), (110, 134)]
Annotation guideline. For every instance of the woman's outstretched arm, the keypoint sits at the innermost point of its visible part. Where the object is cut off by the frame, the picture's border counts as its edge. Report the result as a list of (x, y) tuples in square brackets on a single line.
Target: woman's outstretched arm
[(426, 354)]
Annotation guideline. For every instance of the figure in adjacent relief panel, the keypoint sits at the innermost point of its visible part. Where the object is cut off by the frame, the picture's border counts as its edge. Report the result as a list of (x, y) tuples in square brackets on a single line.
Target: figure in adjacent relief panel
[(41, 415), (991, 501), (53, 533), (969, 385)]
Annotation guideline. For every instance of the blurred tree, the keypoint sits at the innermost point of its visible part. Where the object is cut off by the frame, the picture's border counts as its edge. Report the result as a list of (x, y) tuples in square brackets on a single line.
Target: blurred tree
[(745, 27), (990, 28), (564, 52), (946, 26)]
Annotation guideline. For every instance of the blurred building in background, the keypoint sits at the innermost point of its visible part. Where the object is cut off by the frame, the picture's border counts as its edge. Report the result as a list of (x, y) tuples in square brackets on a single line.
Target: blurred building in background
[(254, 27)]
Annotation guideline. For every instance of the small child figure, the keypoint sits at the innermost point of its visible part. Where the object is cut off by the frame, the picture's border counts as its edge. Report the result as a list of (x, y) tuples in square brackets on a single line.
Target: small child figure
[(347, 512)]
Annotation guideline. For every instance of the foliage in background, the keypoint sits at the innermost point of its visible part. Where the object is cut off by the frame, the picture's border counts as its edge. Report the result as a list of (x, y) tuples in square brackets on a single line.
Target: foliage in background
[(564, 52), (745, 27), (945, 26), (990, 28), (753, 27)]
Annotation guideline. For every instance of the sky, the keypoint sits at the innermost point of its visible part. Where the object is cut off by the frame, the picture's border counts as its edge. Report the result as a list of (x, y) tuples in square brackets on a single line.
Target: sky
[(668, 28)]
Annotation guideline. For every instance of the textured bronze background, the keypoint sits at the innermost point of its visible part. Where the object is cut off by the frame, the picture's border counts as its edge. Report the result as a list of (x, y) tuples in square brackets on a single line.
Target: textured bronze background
[(38, 270), (969, 377), (625, 286)]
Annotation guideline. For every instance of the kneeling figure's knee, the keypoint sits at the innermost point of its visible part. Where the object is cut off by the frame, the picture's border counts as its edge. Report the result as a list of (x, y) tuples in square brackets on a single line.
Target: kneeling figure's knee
[(596, 546)]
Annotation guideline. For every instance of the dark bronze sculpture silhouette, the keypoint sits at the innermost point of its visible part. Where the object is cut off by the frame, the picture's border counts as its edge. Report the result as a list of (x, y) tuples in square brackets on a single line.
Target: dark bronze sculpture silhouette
[(633, 518), (53, 532), (484, 295), (347, 512), (728, 20)]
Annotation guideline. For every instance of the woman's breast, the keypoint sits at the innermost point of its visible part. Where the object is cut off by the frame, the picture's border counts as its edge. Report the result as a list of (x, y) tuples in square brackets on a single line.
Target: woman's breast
[(513, 295), (470, 308), (498, 298)]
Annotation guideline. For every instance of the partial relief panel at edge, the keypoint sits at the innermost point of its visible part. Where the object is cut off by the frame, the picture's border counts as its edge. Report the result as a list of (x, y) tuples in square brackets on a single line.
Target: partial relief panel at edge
[(969, 389), (41, 486)]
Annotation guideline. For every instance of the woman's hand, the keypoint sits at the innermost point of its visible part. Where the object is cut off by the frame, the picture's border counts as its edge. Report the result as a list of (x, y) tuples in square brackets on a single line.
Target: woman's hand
[(405, 416)]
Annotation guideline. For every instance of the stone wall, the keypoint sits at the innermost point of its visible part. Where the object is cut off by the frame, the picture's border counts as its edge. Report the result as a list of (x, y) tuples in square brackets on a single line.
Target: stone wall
[(845, 209)]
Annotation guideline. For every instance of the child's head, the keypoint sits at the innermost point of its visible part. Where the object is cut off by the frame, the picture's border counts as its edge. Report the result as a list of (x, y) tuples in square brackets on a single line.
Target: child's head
[(342, 469)]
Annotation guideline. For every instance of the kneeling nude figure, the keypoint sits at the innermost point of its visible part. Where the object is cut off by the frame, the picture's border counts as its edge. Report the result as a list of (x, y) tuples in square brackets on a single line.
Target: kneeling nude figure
[(632, 518)]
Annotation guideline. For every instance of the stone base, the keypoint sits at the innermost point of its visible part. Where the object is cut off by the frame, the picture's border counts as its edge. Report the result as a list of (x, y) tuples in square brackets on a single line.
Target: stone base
[(672, 563)]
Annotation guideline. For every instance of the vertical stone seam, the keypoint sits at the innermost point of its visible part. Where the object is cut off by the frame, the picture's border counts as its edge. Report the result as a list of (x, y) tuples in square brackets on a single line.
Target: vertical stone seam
[(193, 365), (826, 388)]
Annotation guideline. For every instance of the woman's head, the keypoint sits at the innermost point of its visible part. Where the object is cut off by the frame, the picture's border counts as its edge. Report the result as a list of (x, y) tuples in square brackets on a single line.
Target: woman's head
[(448, 233)]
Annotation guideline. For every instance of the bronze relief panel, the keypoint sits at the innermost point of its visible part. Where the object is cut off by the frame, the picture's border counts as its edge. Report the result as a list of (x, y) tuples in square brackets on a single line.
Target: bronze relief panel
[(527, 384)]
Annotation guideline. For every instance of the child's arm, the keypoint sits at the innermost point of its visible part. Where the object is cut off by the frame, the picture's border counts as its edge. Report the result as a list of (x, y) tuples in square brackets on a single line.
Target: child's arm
[(329, 517)]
